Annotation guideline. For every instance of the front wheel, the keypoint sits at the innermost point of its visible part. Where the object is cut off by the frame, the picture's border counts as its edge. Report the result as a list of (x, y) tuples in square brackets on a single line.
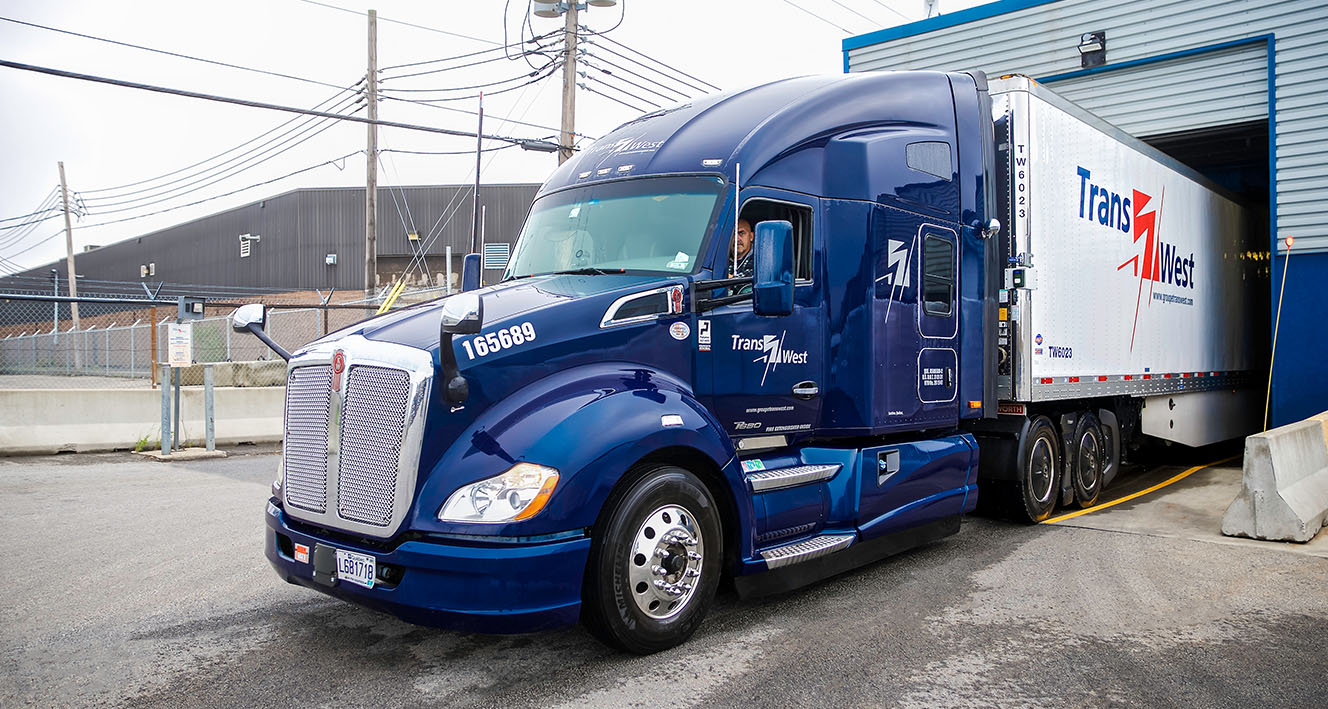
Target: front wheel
[(655, 563)]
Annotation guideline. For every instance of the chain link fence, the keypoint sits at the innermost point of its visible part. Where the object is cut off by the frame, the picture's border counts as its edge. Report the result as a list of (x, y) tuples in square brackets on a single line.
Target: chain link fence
[(116, 344)]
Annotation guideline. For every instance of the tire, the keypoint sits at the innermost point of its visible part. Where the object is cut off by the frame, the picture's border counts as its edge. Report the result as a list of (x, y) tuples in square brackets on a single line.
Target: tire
[(1087, 461), (1039, 470), (646, 588)]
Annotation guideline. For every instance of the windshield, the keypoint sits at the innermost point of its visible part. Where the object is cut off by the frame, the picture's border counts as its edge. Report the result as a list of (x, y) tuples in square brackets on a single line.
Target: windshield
[(649, 224)]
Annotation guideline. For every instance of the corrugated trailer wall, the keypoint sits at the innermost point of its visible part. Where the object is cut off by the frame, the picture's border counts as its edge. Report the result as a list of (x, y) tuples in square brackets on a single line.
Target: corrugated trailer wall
[(1177, 66), (297, 230)]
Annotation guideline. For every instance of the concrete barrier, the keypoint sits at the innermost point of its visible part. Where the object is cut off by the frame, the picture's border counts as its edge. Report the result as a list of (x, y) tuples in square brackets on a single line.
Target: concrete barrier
[(56, 420), (1284, 487), (258, 373)]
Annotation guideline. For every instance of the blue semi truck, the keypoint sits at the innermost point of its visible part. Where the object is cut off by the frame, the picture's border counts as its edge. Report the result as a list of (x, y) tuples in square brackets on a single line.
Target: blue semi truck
[(623, 422)]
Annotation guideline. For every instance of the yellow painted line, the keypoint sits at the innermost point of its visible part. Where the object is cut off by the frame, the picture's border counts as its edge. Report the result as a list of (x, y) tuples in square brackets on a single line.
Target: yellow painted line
[(1141, 493)]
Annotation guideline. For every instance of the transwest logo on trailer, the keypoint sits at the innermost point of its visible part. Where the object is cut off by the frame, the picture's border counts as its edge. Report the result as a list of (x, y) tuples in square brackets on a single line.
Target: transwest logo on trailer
[(1158, 262)]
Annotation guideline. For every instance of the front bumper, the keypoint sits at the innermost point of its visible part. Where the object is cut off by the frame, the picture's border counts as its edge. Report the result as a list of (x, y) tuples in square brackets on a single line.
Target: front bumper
[(483, 588)]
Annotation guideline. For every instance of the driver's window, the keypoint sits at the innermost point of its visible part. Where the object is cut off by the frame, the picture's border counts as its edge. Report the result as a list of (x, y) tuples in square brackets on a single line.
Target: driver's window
[(754, 211)]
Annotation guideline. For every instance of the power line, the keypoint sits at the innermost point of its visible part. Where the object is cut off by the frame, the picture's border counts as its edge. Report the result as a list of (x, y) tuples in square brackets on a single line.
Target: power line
[(538, 51), (39, 243), (171, 54), (647, 67), (401, 22), (633, 83), (671, 68), (484, 85), (822, 19), (467, 55), (237, 191), (891, 9), (600, 93), (462, 110), (444, 152), (859, 14), (297, 119), (102, 212), (244, 102), (549, 72), (642, 77), (99, 204), (41, 207), (620, 89)]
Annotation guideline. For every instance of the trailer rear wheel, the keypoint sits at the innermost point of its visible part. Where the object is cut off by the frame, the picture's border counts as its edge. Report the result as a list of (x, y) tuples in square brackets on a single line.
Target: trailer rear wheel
[(1039, 469), (1088, 463), (655, 563)]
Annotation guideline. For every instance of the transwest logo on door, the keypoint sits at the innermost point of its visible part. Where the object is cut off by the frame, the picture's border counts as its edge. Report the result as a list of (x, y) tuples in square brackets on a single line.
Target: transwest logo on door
[(772, 351)]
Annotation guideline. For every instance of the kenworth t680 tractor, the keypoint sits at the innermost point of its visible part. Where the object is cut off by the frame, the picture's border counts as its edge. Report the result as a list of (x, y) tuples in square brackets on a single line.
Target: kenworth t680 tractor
[(954, 287)]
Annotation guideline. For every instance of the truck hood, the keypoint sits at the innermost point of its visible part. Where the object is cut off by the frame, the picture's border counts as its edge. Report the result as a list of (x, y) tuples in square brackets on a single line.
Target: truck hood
[(417, 325)]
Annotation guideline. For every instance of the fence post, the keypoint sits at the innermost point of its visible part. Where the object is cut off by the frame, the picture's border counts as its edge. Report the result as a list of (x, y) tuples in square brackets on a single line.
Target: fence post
[(211, 435), (165, 416), (153, 346), (227, 327), (107, 349)]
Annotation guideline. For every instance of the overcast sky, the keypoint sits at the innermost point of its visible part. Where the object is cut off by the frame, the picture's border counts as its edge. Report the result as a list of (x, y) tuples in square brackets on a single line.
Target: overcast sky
[(111, 137)]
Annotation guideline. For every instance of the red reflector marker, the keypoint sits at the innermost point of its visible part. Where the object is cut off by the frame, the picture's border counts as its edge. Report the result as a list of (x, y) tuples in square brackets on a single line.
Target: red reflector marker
[(1148, 376), (1102, 379), (1128, 377)]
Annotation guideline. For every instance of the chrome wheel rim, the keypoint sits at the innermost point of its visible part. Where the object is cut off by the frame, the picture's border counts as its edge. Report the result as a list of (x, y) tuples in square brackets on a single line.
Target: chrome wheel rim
[(1041, 470), (1090, 462), (664, 562)]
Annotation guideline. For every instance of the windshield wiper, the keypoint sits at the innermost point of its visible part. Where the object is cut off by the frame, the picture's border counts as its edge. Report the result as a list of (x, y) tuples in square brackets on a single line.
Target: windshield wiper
[(590, 271)]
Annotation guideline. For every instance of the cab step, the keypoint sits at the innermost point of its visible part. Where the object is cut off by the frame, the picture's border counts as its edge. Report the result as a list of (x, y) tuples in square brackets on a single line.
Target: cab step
[(780, 478), (806, 550)]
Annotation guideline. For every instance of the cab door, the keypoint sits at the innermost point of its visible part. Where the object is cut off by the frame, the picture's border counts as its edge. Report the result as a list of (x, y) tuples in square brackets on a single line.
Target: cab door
[(767, 373)]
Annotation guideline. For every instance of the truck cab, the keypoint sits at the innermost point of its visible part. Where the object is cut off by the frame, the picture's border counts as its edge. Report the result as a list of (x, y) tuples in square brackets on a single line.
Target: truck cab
[(622, 421)]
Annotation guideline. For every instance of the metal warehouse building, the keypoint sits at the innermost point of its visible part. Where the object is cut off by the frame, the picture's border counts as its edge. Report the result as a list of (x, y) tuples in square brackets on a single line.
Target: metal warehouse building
[(1238, 89), (310, 239)]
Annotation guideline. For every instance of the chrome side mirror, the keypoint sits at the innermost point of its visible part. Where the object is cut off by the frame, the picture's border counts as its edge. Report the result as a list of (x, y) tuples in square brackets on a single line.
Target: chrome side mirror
[(253, 318), (246, 315), (463, 314), (992, 229)]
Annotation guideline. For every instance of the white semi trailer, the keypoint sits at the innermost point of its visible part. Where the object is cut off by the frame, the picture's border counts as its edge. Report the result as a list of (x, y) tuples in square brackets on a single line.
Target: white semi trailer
[(1125, 307)]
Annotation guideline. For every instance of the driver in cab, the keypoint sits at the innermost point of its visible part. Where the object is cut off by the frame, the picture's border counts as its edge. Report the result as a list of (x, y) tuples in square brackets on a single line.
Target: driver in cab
[(740, 253)]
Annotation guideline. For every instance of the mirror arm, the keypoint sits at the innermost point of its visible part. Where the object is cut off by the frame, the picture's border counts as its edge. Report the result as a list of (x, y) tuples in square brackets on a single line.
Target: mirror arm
[(704, 304), (457, 389), (258, 332), (701, 305)]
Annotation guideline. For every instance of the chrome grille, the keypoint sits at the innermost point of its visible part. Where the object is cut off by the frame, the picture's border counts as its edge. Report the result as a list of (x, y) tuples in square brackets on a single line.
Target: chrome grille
[(305, 454), (372, 426)]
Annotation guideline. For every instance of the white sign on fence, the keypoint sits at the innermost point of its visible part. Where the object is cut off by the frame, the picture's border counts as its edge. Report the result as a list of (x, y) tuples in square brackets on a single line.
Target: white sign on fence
[(180, 344)]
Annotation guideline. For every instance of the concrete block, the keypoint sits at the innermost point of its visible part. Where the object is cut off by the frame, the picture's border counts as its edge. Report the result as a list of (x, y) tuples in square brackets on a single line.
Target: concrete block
[(258, 373), (1284, 485), (39, 421)]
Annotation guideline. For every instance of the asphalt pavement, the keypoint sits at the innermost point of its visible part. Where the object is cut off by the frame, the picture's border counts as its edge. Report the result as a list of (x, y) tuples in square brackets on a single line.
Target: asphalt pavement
[(138, 583)]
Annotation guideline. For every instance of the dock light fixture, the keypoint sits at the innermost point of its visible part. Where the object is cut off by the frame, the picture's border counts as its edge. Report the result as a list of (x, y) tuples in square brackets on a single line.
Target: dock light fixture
[(1092, 49)]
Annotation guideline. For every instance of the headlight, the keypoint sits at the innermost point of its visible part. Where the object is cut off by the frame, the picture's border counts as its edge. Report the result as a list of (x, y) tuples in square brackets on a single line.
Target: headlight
[(520, 493)]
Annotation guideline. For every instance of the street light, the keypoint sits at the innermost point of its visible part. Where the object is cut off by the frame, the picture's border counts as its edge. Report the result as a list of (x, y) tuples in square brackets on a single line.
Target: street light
[(552, 9)]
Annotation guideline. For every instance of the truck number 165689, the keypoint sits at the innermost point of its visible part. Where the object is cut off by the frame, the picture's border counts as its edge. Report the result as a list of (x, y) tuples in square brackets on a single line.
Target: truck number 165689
[(500, 340)]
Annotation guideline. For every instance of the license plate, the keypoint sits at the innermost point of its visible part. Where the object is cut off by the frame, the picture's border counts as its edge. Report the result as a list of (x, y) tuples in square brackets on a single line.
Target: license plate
[(356, 568)]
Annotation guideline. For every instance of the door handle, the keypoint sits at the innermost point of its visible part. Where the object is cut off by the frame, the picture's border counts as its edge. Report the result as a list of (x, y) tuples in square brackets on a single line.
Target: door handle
[(805, 390)]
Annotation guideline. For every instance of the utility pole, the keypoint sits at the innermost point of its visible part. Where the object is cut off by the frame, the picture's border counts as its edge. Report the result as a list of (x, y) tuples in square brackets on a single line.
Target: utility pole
[(569, 86), (69, 261), (475, 193), (371, 165)]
